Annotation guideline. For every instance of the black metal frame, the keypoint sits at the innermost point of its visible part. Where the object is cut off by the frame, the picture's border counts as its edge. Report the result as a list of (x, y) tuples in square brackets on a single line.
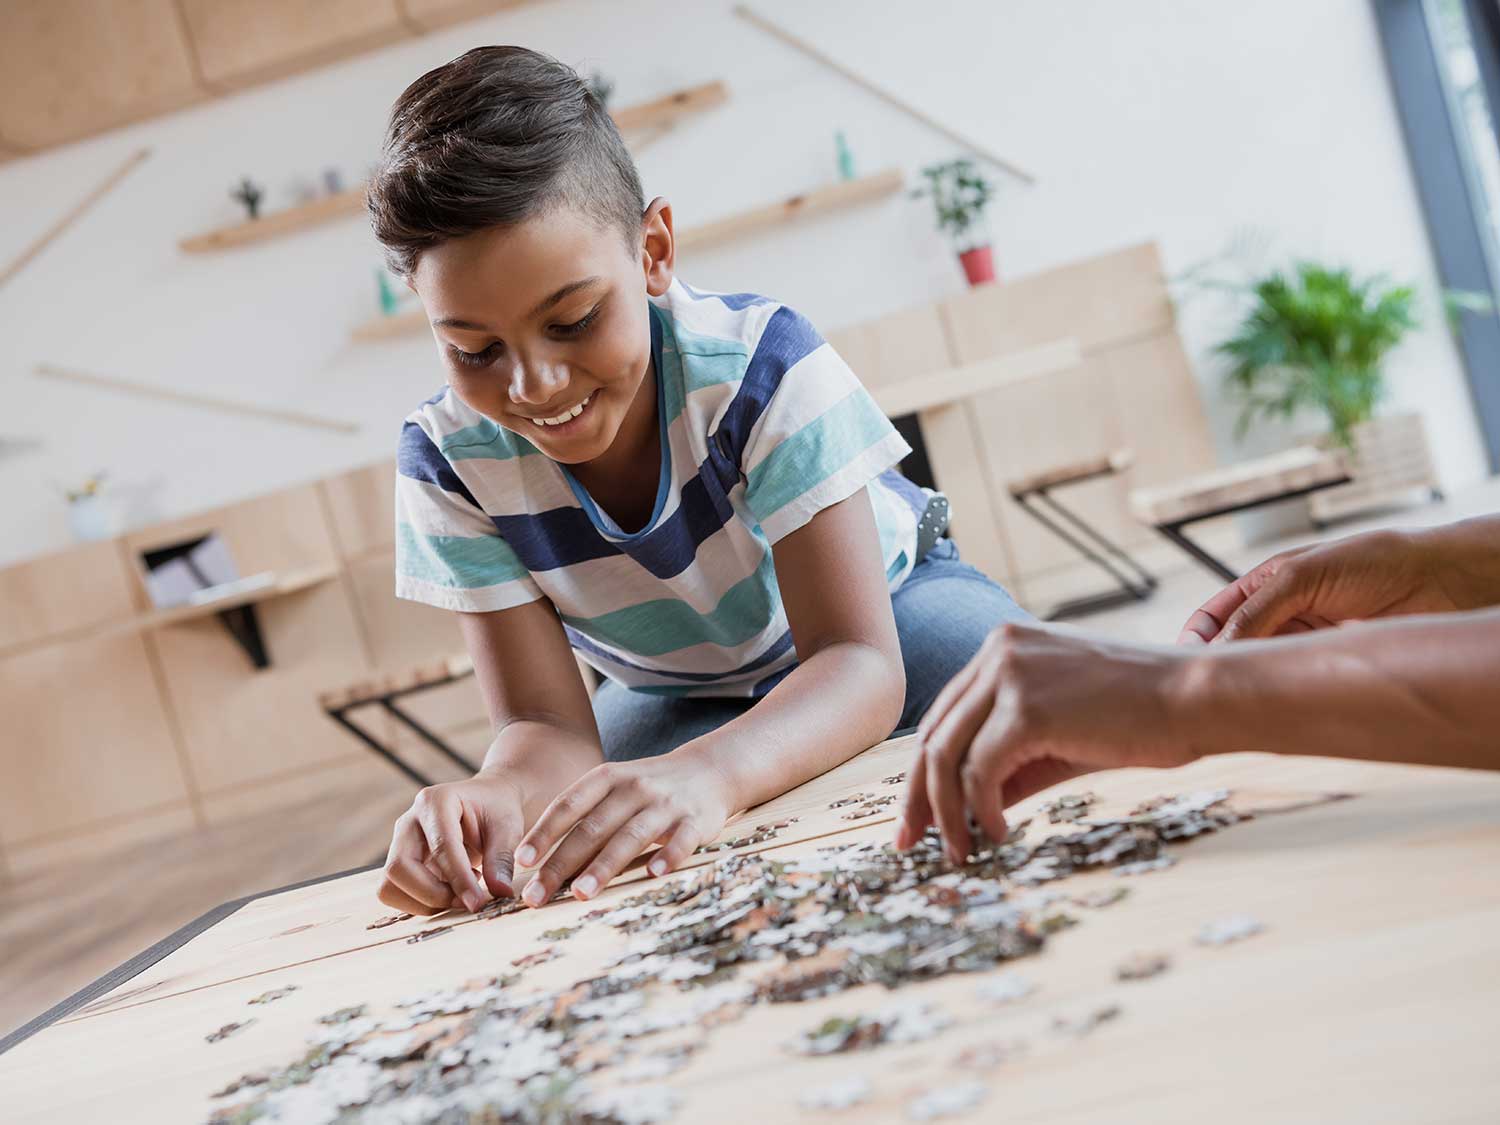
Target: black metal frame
[(1136, 587), (1173, 530), (387, 701)]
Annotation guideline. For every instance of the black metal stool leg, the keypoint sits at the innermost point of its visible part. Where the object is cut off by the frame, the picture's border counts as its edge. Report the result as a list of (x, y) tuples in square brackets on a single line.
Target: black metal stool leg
[(380, 748), (428, 736)]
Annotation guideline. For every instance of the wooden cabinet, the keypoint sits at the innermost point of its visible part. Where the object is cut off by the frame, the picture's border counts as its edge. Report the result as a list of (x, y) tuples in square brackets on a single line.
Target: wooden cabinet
[(76, 67)]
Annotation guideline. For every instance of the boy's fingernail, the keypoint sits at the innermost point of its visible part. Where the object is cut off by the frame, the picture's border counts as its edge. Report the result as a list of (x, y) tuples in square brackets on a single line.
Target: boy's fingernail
[(472, 902), (586, 886), (533, 894), (526, 855), (657, 867)]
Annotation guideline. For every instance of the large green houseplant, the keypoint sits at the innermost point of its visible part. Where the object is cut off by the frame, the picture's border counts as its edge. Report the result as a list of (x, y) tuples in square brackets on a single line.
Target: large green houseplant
[(1316, 338)]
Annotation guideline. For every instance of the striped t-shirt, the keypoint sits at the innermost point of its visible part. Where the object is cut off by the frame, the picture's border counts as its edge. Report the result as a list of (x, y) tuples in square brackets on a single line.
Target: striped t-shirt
[(763, 425)]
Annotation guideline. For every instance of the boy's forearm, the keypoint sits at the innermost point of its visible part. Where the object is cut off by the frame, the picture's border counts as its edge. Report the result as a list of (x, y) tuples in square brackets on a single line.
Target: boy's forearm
[(542, 756), (1418, 689), (841, 700)]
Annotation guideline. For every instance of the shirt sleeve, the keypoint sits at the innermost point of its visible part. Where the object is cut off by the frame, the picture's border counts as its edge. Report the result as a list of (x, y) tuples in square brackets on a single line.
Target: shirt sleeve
[(448, 553), (819, 437)]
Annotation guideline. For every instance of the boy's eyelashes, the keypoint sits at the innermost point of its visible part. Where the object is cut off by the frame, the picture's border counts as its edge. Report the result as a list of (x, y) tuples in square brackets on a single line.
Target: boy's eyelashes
[(488, 355)]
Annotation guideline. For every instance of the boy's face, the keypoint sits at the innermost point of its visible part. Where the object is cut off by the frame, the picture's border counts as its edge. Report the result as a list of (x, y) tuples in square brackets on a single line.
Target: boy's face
[(537, 320)]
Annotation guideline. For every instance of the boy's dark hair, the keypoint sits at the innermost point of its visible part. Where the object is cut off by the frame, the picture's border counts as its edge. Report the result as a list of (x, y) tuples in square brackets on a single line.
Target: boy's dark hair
[(496, 136)]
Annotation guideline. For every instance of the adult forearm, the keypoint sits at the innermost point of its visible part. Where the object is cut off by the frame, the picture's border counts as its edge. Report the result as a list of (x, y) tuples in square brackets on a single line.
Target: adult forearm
[(1465, 560), (1418, 689), (542, 757), (841, 700)]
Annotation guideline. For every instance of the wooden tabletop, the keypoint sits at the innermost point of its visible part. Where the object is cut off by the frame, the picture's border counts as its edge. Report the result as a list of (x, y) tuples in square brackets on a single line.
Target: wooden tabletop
[(1372, 995)]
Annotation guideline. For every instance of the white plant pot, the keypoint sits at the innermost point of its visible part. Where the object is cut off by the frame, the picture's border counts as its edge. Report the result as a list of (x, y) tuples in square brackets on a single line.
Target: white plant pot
[(1391, 466), (91, 518)]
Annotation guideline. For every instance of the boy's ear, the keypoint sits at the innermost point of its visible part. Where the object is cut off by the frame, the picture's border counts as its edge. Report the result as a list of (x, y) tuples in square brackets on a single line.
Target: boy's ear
[(658, 246)]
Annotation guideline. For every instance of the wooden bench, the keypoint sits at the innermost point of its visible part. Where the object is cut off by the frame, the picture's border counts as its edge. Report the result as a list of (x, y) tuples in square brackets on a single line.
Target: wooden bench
[(1250, 484)]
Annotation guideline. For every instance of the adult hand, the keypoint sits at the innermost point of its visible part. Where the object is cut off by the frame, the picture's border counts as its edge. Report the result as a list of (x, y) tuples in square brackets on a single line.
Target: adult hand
[(1037, 706), (615, 812), (450, 830), (1376, 574)]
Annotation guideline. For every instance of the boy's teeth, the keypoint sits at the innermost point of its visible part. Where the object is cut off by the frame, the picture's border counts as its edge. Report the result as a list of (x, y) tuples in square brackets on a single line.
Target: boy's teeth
[(567, 416)]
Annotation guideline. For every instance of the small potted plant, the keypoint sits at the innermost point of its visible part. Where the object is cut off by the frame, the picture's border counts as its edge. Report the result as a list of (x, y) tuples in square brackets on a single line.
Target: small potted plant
[(1315, 338), (89, 516), (960, 193)]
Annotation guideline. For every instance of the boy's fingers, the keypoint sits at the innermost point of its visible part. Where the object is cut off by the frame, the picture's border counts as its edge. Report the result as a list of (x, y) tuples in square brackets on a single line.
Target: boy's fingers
[(916, 812), (633, 838), (589, 834), (406, 872), (559, 817), (500, 829), (675, 852), (394, 897), (441, 824)]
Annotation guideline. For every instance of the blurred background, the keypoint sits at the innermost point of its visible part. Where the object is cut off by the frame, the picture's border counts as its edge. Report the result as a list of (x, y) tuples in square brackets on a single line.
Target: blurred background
[(1172, 262)]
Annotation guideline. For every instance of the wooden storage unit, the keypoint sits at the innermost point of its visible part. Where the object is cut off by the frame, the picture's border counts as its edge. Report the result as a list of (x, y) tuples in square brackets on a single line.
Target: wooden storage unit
[(77, 67), (240, 43), (432, 15)]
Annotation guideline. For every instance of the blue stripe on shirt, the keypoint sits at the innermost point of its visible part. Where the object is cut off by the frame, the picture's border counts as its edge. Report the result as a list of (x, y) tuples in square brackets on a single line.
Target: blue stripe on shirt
[(418, 459), (786, 339)]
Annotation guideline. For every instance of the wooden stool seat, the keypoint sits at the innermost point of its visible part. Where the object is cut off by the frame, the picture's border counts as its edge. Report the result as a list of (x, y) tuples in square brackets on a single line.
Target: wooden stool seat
[(1090, 467), (372, 689)]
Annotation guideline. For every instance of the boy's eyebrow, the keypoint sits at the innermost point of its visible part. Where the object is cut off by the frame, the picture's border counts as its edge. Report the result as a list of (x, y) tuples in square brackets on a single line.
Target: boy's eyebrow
[(562, 294)]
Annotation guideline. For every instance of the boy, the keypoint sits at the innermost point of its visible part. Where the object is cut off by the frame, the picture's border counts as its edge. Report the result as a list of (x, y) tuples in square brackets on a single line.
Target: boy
[(689, 489)]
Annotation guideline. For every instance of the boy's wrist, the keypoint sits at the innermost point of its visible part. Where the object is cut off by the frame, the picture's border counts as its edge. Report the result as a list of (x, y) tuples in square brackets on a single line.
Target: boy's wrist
[(718, 762)]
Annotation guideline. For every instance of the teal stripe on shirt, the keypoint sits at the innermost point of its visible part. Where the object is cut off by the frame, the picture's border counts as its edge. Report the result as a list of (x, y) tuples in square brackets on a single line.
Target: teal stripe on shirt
[(815, 452), (712, 361), (485, 439), (665, 625), (456, 561)]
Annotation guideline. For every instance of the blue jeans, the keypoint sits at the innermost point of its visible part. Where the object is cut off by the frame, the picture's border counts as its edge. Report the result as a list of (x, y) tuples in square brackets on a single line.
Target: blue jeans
[(943, 610)]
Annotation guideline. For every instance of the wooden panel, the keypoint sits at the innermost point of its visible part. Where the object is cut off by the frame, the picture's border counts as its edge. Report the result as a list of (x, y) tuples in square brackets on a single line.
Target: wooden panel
[(87, 846), (1098, 302), (1158, 410), (1041, 423), (77, 67), (85, 739), (63, 592), (361, 505), (359, 770), (957, 458), (428, 15), (942, 388), (901, 346), (241, 725), (242, 42)]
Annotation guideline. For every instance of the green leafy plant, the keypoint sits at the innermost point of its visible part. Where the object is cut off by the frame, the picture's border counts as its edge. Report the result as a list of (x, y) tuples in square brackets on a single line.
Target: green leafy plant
[(959, 194), (1316, 338)]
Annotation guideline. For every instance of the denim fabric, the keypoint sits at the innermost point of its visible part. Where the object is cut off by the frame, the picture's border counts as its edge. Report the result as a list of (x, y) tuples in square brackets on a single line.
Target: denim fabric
[(943, 611)]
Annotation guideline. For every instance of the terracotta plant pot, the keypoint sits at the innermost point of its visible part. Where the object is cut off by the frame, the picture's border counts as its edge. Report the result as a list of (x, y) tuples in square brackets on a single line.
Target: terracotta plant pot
[(979, 264)]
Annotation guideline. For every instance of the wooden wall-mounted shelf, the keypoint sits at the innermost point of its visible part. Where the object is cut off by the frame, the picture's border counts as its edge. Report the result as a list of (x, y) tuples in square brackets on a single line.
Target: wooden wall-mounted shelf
[(834, 197), (647, 117), (277, 223)]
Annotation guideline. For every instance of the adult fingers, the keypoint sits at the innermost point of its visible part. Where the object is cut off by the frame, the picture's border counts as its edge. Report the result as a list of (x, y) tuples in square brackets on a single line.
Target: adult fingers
[(441, 818), (1031, 777), (1281, 600), (944, 751), (916, 810), (590, 832), (988, 762), (408, 875), (559, 817), (1206, 621), (630, 840)]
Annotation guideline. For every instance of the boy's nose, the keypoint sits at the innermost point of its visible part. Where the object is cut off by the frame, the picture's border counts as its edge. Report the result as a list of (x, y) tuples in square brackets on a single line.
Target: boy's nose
[(536, 383)]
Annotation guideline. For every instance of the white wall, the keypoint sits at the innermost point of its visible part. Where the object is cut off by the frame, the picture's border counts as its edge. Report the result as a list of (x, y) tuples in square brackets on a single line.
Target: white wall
[(1159, 119)]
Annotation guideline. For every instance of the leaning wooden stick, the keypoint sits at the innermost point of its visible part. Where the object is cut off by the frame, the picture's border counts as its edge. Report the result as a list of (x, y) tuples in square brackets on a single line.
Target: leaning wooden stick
[(72, 216), (760, 21), (206, 402)]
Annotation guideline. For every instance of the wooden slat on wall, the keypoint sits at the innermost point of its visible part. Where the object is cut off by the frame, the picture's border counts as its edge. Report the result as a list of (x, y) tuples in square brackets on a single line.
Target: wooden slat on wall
[(361, 506), (76, 67), (430, 15), (239, 43)]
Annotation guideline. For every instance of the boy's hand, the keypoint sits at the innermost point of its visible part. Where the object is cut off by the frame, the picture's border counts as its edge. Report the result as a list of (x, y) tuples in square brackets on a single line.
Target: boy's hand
[(615, 812), (1036, 707), (450, 830)]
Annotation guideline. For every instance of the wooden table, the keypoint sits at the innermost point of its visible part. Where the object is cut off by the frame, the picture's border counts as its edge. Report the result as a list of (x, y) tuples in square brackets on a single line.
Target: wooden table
[(1372, 996)]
